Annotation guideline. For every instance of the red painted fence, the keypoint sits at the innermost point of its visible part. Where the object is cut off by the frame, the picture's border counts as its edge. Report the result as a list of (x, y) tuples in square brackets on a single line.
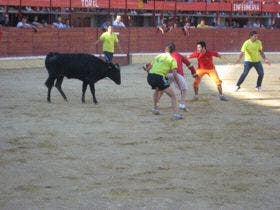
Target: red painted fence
[(26, 42)]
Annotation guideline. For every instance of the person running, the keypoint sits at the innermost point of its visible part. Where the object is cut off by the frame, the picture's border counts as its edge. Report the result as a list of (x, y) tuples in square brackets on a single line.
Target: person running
[(206, 66), (252, 49), (109, 39), (157, 79)]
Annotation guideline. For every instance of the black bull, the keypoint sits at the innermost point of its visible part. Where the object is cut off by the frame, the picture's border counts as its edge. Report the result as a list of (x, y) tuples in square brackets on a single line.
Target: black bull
[(85, 67)]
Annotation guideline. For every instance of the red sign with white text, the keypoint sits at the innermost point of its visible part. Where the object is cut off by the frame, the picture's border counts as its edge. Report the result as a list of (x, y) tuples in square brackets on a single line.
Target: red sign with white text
[(246, 7)]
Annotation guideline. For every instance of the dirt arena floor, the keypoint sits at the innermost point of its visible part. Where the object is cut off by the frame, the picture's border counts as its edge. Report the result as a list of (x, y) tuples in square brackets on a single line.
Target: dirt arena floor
[(118, 155)]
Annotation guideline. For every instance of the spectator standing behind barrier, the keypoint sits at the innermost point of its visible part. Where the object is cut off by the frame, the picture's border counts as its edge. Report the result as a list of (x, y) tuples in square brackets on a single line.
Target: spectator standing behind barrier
[(4, 19), (105, 24), (59, 24), (187, 26), (118, 22), (165, 25), (109, 39), (157, 79), (23, 23), (252, 49), (67, 24), (202, 24), (206, 66), (36, 23)]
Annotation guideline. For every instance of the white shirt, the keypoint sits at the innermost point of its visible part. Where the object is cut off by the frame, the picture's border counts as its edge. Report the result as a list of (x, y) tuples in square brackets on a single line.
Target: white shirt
[(118, 24), (23, 25)]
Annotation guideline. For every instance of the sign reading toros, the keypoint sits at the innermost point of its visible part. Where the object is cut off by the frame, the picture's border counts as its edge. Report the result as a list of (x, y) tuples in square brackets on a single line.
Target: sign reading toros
[(89, 3)]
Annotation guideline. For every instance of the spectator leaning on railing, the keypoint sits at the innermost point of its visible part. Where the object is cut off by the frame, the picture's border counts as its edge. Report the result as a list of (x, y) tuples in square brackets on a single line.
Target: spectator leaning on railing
[(59, 24), (23, 23), (67, 23), (36, 22), (202, 24)]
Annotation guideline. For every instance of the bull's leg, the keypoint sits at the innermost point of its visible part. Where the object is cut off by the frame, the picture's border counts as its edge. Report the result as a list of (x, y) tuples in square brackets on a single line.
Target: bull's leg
[(84, 91), (58, 86), (49, 83), (92, 89)]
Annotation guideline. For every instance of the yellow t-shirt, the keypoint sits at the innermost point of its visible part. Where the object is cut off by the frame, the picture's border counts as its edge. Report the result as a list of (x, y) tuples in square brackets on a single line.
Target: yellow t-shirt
[(109, 41), (252, 50), (162, 64), (202, 26)]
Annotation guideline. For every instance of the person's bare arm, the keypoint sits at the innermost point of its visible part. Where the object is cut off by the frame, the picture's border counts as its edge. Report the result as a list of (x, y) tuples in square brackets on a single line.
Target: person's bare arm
[(119, 46), (264, 58), (225, 59), (147, 67), (240, 57)]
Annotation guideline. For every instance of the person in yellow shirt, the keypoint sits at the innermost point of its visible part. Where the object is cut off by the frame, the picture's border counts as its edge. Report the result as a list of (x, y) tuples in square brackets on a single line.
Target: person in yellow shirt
[(109, 39), (253, 51), (157, 70), (202, 24)]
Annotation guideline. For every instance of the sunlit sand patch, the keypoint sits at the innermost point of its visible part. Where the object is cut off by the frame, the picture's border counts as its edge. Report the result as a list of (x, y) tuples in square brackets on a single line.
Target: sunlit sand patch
[(268, 97)]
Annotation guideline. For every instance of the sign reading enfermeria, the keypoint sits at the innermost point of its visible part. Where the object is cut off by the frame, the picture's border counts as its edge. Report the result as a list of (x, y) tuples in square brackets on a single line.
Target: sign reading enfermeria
[(246, 7)]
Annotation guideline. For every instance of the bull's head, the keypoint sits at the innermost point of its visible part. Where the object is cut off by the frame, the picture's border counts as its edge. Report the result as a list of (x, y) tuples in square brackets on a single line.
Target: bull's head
[(114, 73)]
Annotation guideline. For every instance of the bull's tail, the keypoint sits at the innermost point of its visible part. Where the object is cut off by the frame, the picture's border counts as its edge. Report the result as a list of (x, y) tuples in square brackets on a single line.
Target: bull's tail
[(51, 56)]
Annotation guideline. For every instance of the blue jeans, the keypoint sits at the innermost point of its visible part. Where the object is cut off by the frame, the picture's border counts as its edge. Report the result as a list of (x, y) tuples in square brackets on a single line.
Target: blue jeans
[(247, 66), (108, 56)]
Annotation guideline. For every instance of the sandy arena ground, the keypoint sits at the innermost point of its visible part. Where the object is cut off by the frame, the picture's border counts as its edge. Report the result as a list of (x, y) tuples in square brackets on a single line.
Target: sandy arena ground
[(117, 155)]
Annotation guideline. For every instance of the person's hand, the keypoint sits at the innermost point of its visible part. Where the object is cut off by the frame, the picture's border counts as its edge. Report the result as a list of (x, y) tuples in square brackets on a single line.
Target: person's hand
[(267, 61), (120, 49), (195, 76), (147, 67)]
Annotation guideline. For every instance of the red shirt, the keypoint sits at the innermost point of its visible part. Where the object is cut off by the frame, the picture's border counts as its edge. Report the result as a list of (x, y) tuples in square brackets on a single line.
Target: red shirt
[(205, 61), (180, 59)]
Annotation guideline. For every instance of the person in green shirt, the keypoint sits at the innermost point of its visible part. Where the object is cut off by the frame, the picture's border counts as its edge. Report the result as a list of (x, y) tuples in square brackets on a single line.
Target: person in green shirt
[(252, 49), (161, 65), (109, 39)]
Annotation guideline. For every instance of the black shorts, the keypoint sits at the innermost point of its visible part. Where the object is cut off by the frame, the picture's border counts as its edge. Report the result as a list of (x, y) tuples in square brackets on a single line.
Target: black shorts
[(158, 81)]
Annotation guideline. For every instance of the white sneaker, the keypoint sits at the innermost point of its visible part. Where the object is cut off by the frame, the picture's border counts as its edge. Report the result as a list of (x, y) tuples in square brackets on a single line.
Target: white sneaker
[(178, 116), (236, 88), (259, 89), (223, 98), (183, 107), (156, 111)]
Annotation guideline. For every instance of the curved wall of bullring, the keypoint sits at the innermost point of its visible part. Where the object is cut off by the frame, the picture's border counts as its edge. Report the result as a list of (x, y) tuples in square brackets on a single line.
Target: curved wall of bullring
[(26, 42)]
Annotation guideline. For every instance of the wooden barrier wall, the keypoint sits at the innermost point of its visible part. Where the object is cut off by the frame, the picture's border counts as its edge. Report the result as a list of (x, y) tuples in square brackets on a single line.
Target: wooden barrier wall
[(26, 42)]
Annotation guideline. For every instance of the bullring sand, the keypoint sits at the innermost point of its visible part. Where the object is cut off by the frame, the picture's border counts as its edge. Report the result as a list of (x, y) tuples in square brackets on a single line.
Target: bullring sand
[(117, 155)]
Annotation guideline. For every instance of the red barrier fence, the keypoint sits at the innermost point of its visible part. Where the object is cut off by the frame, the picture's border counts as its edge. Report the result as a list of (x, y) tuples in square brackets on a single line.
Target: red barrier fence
[(26, 42)]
